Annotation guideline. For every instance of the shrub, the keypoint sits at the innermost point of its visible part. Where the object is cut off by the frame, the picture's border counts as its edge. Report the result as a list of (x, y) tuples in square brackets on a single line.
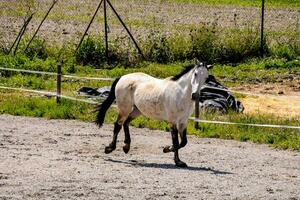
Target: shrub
[(287, 47), (180, 48), (91, 52), (281, 63), (37, 49), (203, 40), (237, 45), (157, 48), (3, 48)]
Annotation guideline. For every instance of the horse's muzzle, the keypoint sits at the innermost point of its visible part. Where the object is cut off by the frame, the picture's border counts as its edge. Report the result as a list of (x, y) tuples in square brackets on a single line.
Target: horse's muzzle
[(195, 96)]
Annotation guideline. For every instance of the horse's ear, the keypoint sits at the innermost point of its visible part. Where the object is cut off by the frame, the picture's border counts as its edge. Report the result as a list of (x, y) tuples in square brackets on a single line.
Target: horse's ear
[(209, 67), (199, 63)]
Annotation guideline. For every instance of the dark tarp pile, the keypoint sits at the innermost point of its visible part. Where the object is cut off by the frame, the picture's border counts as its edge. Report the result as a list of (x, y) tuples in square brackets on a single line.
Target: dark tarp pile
[(216, 97), (213, 96)]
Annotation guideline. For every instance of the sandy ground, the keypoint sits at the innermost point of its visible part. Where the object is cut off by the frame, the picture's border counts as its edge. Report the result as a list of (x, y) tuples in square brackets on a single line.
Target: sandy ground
[(282, 100), (59, 159)]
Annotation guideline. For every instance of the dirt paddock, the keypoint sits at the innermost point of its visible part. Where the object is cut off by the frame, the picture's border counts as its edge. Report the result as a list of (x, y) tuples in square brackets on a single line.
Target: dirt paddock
[(59, 159)]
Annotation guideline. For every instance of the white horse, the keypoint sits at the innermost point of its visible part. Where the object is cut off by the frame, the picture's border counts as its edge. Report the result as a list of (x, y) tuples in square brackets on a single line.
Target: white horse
[(168, 99)]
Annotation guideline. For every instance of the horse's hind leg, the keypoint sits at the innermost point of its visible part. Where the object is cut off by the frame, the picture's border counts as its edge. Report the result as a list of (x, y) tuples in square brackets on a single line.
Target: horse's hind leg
[(112, 146), (135, 113)]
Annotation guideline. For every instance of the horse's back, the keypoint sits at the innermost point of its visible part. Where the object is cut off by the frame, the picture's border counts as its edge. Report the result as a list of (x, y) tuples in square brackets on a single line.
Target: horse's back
[(140, 90), (131, 81), (126, 87)]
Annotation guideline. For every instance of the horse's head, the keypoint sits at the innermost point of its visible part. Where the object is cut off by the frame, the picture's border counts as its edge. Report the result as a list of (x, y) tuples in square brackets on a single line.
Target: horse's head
[(200, 74)]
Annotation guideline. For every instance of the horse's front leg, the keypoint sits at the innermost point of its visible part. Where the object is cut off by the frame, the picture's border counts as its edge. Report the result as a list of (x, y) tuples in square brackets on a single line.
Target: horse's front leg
[(175, 148), (183, 138), (182, 144)]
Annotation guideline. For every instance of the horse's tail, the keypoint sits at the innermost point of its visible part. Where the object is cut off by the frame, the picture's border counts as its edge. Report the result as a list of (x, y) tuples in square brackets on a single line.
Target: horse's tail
[(102, 108)]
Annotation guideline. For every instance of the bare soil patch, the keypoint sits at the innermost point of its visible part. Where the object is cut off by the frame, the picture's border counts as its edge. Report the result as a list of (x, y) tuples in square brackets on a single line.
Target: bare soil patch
[(60, 159), (282, 100)]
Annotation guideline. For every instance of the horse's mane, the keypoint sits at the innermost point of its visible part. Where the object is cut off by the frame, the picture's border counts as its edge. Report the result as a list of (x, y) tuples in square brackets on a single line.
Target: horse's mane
[(183, 72)]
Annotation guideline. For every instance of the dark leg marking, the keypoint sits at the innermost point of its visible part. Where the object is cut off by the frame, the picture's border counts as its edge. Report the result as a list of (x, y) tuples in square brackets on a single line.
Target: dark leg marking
[(112, 146), (175, 147), (183, 138), (127, 140), (134, 114), (183, 142), (168, 149), (175, 140)]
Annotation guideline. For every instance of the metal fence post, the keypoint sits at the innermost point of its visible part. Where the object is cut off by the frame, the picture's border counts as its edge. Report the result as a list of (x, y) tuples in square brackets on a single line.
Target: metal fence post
[(105, 31), (21, 34), (58, 91), (262, 39), (88, 27), (37, 30)]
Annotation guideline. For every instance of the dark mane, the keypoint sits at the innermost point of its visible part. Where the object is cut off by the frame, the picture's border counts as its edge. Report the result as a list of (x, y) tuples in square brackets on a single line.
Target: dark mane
[(183, 72)]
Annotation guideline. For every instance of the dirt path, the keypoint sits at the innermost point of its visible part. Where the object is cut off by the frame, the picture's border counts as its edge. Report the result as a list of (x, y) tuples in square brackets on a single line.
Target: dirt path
[(59, 159)]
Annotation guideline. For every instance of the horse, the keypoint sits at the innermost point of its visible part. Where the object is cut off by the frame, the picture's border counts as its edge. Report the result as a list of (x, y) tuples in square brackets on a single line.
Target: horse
[(169, 99)]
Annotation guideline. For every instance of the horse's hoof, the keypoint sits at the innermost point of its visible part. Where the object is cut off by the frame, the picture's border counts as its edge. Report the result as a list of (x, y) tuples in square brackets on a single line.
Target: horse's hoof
[(167, 149), (109, 149), (126, 148), (181, 164)]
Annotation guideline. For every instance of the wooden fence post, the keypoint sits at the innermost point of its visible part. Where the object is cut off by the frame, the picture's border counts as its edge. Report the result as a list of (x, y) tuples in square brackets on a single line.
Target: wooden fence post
[(58, 91)]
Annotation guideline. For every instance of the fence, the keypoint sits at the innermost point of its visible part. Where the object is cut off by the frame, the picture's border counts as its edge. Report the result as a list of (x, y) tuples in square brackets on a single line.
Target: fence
[(148, 17), (58, 96)]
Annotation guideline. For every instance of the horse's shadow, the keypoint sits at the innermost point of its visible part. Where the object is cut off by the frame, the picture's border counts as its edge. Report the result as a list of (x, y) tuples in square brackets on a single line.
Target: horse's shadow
[(167, 166)]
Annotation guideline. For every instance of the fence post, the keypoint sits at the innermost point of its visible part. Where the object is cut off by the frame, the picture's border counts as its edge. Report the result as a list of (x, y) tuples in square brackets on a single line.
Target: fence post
[(88, 27), (262, 39), (196, 123), (58, 91), (105, 31), (37, 30)]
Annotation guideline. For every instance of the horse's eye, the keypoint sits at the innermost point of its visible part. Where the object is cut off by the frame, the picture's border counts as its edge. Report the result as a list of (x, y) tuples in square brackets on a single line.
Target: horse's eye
[(196, 74)]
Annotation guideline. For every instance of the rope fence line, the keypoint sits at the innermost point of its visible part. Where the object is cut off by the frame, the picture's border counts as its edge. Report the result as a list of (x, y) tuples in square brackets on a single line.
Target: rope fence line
[(191, 118), (55, 74), (251, 93), (28, 71), (111, 79), (88, 78), (51, 94), (245, 124)]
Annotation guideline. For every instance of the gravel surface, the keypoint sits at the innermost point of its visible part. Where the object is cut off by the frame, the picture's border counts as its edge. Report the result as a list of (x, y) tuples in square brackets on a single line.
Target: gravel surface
[(61, 159)]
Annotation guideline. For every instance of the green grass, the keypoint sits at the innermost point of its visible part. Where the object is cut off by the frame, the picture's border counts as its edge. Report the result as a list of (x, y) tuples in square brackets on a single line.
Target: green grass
[(13, 103), (269, 70), (255, 3)]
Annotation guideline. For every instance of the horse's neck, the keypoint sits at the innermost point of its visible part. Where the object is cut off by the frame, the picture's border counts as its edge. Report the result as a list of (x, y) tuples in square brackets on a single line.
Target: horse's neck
[(185, 83)]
